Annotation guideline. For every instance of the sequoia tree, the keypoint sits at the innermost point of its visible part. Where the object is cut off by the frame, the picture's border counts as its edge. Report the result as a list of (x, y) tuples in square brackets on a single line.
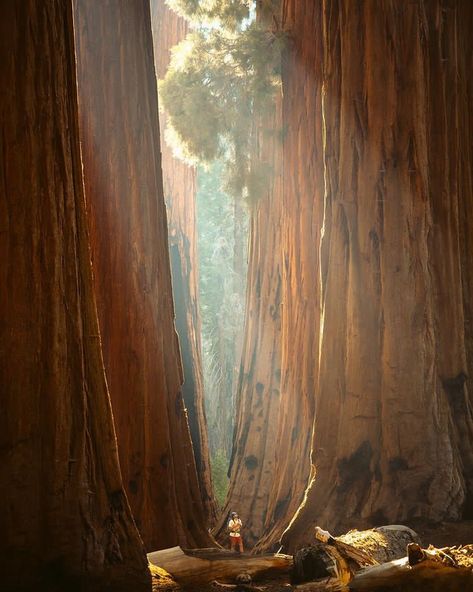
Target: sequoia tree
[(66, 523), (180, 193), (300, 293), (393, 424), (254, 454), (271, 464), (126, 212), (375, 286), (230, 75)]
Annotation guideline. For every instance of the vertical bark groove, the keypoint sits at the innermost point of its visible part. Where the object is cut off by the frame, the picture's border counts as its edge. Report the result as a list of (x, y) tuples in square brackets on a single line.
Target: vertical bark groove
[(66, 523), (127, 218), (253, 462), (392, 432), (180, 194)]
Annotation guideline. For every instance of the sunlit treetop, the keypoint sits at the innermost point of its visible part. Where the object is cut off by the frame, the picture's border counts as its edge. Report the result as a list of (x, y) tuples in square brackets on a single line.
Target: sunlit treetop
[(226, 13), (218, 80)]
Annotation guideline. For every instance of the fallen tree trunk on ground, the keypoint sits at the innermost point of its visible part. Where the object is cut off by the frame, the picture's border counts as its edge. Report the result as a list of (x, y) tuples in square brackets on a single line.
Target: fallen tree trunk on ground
[(343, 556), (336, 565), (202, 566), (445, 570)]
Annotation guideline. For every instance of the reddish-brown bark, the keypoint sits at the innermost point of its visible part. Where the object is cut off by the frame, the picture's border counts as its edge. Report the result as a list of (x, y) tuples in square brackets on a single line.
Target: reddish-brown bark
[(271, 456), (302, 207), (376, 284), (179, 181), (66, 523), (392, 431), (464, 95), (253, 461), (123, 183)]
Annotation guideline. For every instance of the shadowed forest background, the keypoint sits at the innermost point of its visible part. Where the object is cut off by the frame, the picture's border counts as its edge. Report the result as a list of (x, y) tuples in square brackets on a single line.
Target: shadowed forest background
[(246, 287)]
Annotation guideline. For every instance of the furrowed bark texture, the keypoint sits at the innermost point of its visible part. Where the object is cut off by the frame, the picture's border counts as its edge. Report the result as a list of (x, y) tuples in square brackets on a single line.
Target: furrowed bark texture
[(180, 193), (302, 207), (464, 155), (271, 466), (252, 465), (66, 523), (123, 182), (393, 427)]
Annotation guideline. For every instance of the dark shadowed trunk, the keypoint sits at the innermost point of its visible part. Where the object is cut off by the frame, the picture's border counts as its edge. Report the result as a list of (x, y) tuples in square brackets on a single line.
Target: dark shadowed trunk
[(66, 523), (180, 193), (122, 170)]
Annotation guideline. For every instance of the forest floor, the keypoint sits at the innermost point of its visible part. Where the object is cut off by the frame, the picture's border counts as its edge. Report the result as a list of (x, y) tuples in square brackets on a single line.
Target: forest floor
[(448, 534)]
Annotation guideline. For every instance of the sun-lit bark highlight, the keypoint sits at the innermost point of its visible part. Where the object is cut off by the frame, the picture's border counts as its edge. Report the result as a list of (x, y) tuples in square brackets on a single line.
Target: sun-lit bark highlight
[(127, 218), (392, 431), (179, 181)]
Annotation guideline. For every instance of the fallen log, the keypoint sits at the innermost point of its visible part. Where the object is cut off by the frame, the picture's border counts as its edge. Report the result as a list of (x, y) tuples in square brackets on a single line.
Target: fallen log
[(203, 566), (335, 565), (431, 574), (341, 557)]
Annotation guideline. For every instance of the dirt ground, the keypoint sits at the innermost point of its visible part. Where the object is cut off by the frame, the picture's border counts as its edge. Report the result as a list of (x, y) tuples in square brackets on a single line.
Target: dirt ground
[(448, 534)]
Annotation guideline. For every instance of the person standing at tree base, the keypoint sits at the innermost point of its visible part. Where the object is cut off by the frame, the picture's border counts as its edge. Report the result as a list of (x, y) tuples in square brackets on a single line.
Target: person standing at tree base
[(234, 526)]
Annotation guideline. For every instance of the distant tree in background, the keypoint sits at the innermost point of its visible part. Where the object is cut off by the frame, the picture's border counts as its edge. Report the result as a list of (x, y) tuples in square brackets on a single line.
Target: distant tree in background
[(222, 228), (218, 80), (221, 76), (227, 13)]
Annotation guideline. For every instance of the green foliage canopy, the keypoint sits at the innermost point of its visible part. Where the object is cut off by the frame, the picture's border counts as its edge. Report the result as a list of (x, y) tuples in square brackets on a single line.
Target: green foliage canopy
[(226, 13), (218, 81)]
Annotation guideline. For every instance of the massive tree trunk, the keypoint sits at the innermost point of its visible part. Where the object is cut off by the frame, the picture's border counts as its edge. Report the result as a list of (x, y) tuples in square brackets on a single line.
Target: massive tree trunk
[(66, 523), (123, 183), (180, 193), (302, 207), (393, 428), (254, 453), (460, 55), (271, 456)]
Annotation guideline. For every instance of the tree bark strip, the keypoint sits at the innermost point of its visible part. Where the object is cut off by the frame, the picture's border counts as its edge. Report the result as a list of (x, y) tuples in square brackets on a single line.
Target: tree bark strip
[(388, 443), (180, 193), (271, 466), (253, 461), (123, 183), (302, 189), (66, 523)]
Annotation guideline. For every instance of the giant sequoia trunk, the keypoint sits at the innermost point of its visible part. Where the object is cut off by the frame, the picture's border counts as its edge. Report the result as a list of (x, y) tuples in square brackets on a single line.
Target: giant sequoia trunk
[(376, 287), (254, 456), (302, 207), (180, 194), (271, 460), (122, 170), (66, 523), (393, 425)]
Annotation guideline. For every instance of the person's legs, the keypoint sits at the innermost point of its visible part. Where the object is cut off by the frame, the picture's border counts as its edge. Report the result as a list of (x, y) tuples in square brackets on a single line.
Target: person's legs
[(232, 543), (240, 543)]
